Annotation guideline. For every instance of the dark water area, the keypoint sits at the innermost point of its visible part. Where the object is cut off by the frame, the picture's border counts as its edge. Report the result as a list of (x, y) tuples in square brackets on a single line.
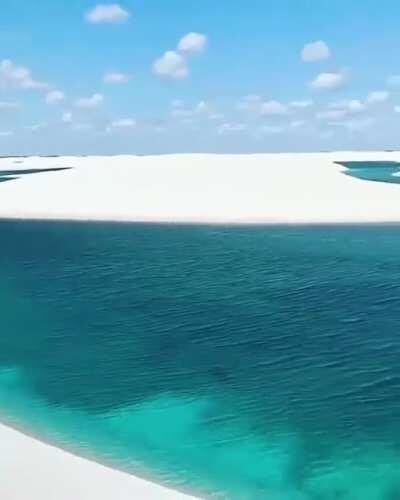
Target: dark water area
[(246, 363)]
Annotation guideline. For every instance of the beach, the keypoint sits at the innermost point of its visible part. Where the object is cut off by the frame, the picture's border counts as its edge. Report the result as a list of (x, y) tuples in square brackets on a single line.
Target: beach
[(31, 469), (267, 188)]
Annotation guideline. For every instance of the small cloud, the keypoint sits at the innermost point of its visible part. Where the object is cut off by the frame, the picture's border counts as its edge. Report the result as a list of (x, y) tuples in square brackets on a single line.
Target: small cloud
[(393, 81), (353, 126), (328, 81), (273, 108), (89, 102), (356, 106), (332, 114), (297, 124), (377, 96), (67, 117), (226, 128), (6, 133), (37, 127), (111, 13), (116, 78), (55, 96), (302, 104), (177, 103), (123, 123), (271, 130), (171, 65), (396, 109), (5, 105), (192, 43), (81, 127), (315, 51), (20, 77), (249, 102)]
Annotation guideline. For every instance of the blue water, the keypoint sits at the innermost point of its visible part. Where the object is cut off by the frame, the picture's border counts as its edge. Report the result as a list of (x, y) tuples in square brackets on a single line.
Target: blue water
[(378, 171), (256, 363)]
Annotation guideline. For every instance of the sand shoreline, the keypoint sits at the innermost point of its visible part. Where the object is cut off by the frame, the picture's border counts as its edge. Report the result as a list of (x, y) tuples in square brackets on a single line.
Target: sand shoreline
[(30, 468)]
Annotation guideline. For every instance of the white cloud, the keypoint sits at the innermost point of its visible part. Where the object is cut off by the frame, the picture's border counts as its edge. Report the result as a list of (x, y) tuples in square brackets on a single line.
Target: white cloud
[(55, 96), (356, 106), (19, 77), (4, 105), (302, 104), (177, 103), (273, 108), (110, 13), (67, 117), (377, 96), (192, 43), (6, 133), (396, 109), (332, 114), (116, 78), (315, 51), (250, 102), (358, 125), (124, 123), (328, 81), (297, 124), (171, 65), (37, 127), (90, 102), (81, 127), (231, 127), (393, 81), (271, 130)]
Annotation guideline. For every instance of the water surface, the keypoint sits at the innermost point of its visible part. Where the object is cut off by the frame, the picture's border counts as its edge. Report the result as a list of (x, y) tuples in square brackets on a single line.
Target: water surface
[(244, 363)]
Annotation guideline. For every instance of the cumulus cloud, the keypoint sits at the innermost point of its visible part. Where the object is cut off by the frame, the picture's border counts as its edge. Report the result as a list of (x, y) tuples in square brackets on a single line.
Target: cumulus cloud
[(328, 81), (90, 102), (315, 51), (192, 43), (107, 13), (302, 104), (67, 117), (6, 133), (273, 108), (171, 65), (377, 96), (9, 105), (331, 114), (116, 78), (227, 128), (123, 123), (271, 129), (55, 96), (20, 77), (251, 102)]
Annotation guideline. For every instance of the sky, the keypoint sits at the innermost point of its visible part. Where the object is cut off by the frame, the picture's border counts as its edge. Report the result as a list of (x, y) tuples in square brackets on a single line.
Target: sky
[(153, 77)]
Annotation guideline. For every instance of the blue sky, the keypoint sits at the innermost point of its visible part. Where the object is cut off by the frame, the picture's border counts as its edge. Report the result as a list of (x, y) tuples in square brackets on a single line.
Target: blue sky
[(147, 76)]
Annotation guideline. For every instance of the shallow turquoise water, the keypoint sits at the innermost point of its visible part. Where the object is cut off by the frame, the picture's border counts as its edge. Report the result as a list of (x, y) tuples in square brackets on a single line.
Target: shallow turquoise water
[(378, 171), (248, 363)]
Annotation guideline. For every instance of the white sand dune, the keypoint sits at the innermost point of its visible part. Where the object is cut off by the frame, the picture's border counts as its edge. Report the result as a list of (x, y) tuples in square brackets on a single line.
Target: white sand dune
[(31, 470), (267, 188)]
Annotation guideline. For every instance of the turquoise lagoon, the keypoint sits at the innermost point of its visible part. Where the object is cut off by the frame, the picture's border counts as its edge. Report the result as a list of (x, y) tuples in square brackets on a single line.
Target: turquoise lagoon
[(239, 363)]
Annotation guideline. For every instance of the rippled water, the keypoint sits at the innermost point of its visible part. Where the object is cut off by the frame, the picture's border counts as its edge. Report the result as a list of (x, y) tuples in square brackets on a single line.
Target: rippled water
[(257, 363)]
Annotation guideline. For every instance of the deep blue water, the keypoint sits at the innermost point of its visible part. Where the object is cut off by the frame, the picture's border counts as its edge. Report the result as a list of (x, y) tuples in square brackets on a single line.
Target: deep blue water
[(378, 171), (260, 363)]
